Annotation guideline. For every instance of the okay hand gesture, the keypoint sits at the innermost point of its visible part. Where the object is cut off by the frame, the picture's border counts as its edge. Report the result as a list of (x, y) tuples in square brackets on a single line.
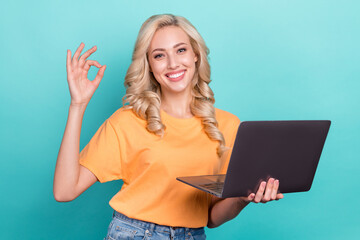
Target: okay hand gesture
[(81, 88)]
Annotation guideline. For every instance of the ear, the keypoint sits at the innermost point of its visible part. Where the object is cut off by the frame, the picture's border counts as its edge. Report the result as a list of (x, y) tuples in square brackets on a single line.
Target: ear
[(196, 58)]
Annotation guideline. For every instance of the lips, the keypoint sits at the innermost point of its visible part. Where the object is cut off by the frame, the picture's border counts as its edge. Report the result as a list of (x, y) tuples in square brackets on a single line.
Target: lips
[(175, 76)]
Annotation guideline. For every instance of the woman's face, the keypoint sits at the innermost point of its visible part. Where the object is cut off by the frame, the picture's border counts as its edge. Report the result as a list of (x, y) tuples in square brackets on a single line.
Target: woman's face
[(172, 59)]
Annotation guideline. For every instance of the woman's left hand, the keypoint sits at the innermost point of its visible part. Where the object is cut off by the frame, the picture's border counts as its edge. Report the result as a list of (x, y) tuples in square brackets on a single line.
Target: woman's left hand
[(266, 192), (225, 209)]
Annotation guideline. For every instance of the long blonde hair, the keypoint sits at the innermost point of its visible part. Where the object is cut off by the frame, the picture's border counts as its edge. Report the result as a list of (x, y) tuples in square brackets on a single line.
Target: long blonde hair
[(143, 91)]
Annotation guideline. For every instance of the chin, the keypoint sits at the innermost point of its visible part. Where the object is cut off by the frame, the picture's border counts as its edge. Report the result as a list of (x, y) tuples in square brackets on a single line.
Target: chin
[(179, 88)]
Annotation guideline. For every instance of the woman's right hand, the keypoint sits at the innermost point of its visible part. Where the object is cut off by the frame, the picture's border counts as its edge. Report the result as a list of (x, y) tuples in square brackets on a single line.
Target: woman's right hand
[(81, 88)]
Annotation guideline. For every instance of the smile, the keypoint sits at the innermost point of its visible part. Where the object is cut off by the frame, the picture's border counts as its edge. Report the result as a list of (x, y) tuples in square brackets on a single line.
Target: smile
[(175, 76)]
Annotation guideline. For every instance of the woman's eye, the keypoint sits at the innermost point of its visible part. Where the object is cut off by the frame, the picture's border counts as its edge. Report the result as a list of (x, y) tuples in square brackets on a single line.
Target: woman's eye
[(182, 50), (158, 55)]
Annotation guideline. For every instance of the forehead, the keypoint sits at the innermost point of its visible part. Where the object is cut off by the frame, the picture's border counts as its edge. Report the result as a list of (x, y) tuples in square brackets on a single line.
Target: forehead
[(167, 37)]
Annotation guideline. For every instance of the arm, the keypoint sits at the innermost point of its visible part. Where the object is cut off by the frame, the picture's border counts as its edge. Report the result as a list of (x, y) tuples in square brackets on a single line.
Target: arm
[(70, 178), (223, 210)]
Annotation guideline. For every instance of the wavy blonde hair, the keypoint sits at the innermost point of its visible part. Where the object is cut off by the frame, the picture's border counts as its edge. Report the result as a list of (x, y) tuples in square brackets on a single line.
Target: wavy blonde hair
[(143, 91)]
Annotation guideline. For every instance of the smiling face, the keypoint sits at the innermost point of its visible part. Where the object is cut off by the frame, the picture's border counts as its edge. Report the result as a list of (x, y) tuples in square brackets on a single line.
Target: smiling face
[(172, 59)]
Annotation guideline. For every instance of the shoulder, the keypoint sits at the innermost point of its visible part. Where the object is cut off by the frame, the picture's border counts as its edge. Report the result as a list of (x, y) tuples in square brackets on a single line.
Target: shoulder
[(125, 117), (225, 118), (228, 124)]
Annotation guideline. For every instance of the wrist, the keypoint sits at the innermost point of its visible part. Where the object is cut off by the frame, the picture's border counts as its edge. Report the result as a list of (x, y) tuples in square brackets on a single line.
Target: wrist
[(78, 106), (77, 109), (242, 201)]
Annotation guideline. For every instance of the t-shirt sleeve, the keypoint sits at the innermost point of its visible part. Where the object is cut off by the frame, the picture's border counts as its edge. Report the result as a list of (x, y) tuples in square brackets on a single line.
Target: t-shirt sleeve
[(102, 154), (232, 137)]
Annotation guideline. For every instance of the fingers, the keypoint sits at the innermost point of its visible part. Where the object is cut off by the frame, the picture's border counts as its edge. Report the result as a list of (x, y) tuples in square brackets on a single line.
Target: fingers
[(87, 66), (81, 62), (269, 190), (279, 196), (275, 190), (89, 63), (77, 53), (99, 75), (260, 192), (86, 55), (68, 60), (266, 192), (249, 198)]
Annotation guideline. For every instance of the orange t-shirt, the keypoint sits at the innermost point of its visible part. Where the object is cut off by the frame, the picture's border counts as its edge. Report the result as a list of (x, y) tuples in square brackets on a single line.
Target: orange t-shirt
[(122, 148)]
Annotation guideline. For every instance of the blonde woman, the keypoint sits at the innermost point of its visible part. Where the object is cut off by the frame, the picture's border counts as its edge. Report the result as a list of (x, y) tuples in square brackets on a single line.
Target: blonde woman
[(167, 128)]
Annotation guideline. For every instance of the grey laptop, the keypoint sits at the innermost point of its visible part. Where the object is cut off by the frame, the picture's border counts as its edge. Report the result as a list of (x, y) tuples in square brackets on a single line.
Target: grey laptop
[(285, 150)]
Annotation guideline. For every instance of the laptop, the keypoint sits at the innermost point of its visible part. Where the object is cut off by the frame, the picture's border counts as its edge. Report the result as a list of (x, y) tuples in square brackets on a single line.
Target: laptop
[(285, 150)]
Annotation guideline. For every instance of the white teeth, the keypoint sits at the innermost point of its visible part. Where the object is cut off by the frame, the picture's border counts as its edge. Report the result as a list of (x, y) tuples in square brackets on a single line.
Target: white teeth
[(176, 75)]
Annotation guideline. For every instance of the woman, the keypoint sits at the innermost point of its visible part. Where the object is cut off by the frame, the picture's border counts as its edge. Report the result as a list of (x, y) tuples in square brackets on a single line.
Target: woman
[(167, 128)]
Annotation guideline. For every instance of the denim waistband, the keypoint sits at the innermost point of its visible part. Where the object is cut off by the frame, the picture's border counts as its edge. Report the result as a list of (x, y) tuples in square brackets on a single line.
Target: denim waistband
[(151, 226)]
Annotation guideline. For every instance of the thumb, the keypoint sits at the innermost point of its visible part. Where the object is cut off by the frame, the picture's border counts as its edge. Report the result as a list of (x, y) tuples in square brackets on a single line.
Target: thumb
[(251, 197), (99, 75)]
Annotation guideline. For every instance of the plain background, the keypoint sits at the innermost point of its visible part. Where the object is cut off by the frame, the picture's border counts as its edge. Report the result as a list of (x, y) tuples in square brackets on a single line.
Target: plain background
[(271, 60)]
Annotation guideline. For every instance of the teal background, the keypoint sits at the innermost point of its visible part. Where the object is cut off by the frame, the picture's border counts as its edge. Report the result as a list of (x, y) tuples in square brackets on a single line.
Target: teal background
[(270, 60)]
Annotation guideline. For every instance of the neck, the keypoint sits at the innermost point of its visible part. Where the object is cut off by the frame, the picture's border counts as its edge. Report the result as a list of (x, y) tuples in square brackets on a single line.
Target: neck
[(177, 104)]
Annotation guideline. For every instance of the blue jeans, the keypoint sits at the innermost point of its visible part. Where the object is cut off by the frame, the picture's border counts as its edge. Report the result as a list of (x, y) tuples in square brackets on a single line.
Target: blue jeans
[(122, 227)]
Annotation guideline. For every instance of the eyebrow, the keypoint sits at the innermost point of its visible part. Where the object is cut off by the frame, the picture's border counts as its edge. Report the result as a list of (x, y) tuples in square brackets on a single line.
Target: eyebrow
[(162, 49)]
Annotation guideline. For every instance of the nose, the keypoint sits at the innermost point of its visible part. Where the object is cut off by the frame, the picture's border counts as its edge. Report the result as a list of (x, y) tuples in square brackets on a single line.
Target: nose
[(172, 62)]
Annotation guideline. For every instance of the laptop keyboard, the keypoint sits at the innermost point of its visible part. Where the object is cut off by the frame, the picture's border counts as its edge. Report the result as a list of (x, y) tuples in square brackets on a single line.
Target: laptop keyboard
[(215, 186)]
